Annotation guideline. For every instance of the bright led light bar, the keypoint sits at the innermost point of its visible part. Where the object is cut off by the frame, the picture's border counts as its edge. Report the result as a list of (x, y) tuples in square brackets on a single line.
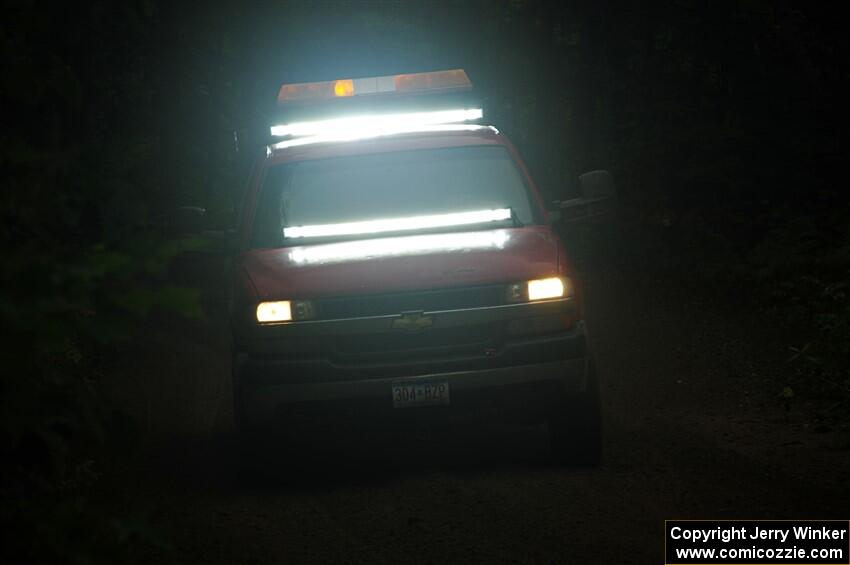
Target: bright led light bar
[(398, 246), (388, 122), (373, 133), (399, 224)]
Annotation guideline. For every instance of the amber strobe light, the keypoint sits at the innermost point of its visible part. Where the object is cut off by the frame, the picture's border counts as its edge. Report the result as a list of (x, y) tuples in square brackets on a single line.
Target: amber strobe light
[(344, 87), (439, 81)]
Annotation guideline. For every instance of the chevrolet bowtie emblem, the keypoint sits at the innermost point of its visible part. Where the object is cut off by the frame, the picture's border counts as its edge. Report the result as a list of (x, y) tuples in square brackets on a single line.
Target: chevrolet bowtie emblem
[(412, 321)]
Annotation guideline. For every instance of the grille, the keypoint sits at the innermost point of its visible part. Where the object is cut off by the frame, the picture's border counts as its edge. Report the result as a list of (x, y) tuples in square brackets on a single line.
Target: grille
[(429, 343), (428, 301)]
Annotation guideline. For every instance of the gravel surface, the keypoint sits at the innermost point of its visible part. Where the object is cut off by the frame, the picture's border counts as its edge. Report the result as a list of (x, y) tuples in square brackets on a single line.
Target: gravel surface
[(694, 429)]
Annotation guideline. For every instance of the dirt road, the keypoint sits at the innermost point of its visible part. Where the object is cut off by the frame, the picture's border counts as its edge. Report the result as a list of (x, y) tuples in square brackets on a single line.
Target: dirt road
[(693, 430)]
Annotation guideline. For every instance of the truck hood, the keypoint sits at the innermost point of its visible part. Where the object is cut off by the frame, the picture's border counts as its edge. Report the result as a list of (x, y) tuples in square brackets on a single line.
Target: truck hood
[(394, 264)]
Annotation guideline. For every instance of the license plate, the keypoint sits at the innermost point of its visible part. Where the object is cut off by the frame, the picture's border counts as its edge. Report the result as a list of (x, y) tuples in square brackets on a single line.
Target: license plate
[(420, 394)]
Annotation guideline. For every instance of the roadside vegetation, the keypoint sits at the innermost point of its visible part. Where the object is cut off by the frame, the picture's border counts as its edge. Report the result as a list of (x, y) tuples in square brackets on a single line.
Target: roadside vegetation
[(717, 120)]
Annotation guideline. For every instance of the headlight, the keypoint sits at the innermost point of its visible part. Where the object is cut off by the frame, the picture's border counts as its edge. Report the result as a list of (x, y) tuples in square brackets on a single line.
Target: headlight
[(274, 311), (546, 288), (540, 289), (284, 311)]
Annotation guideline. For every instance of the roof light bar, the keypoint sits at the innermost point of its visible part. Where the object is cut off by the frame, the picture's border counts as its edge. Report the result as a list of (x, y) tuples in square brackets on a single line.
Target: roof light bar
[(399, 224), (454, 79), (439, 81), (375, 122)]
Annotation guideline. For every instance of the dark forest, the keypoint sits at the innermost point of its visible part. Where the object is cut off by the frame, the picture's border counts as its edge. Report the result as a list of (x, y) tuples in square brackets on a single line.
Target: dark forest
[(720, 301)]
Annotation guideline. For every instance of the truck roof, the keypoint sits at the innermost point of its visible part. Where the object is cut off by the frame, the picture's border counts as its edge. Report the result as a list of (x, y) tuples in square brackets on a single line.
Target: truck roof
[(431, 138)]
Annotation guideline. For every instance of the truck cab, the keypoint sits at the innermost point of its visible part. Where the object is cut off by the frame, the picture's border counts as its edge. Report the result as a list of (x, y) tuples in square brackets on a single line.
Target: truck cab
[(404, 261)]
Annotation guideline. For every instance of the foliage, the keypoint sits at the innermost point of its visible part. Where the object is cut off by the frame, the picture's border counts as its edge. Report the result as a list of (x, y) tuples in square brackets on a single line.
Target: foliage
[(83, 262)]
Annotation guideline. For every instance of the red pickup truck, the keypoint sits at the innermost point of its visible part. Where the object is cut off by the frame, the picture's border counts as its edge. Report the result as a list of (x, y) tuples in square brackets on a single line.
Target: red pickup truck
[(405, 261)]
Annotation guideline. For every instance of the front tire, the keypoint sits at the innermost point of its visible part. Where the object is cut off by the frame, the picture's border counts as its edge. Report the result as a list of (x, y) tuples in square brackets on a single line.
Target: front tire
[(575, 427)]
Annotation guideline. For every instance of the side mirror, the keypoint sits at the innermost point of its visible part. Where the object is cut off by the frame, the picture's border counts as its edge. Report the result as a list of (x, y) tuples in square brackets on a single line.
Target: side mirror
[(215, 228), (220, 219), (187, 220), (598, 199), (597, 184)]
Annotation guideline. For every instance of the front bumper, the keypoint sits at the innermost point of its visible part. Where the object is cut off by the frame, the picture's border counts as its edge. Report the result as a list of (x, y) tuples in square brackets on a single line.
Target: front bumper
[(529, 373), (541, 384)]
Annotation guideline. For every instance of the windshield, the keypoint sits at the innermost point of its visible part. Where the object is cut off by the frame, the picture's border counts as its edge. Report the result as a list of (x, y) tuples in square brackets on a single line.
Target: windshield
[(388, 186)]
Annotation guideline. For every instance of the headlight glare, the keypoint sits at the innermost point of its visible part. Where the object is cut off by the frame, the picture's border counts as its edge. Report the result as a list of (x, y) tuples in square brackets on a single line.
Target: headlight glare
[(541, 289), (285, 311), (270, 312)]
